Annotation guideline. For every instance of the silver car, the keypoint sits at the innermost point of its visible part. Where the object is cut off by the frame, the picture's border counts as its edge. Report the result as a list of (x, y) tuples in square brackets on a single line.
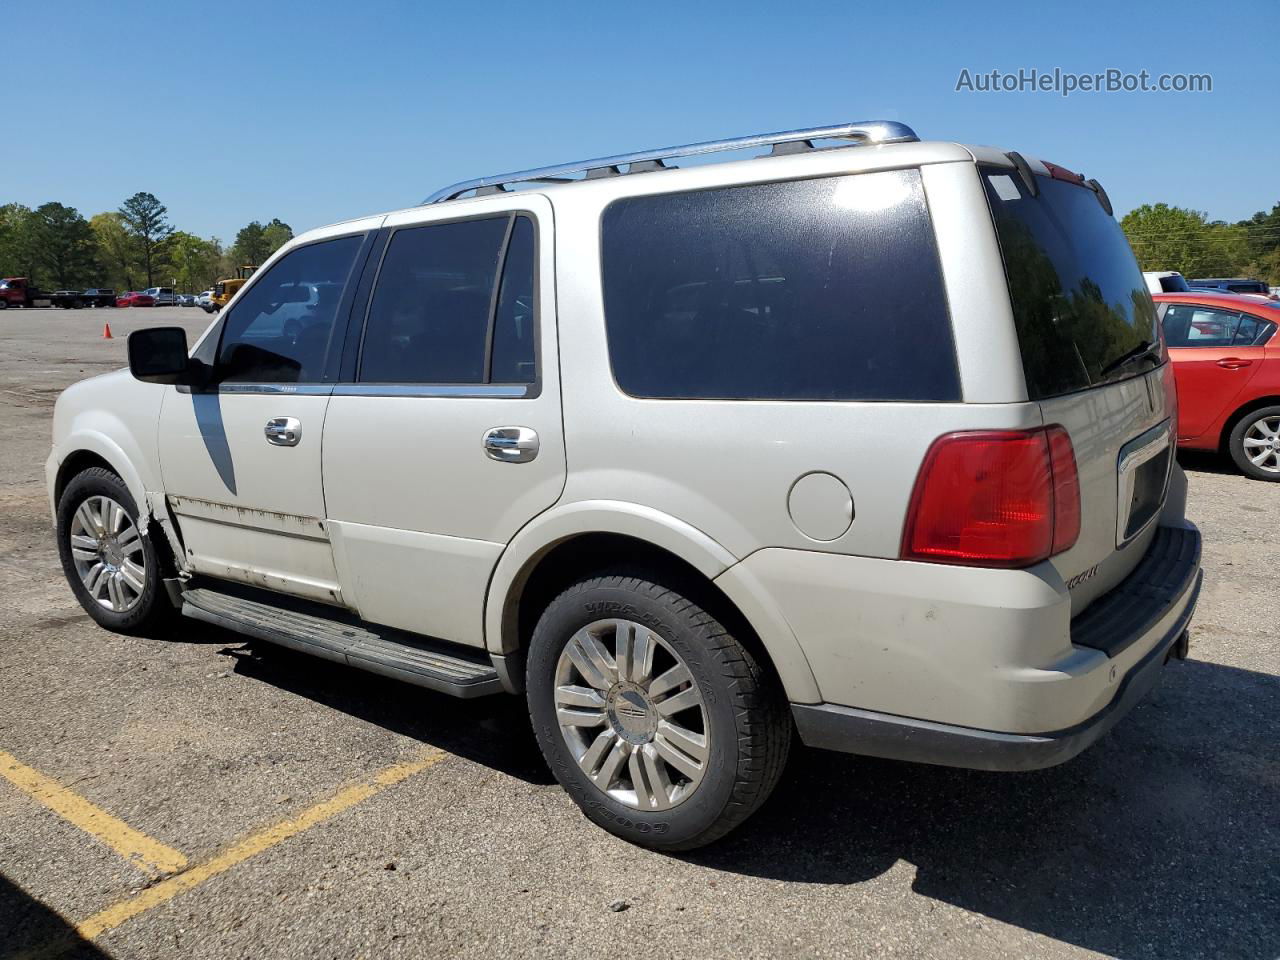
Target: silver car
[(867, 438)]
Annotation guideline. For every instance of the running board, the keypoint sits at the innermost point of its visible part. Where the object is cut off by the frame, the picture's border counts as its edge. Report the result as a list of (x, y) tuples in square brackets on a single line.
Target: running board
[(419, 662)]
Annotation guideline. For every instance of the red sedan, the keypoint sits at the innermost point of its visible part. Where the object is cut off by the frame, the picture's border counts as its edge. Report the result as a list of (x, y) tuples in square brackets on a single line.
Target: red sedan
[(135, 299), (1226, 362)]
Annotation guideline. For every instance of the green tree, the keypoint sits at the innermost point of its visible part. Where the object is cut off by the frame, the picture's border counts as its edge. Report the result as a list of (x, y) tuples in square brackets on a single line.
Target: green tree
[(1262, 236), (116, 250), (276, 234), (251, 244), (18, 247), (195, 261), (66, 246), (1173, 238), (144, 218)]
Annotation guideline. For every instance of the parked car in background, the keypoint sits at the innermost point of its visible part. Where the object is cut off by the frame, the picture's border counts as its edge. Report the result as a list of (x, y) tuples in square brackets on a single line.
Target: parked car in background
[(1226, 362), (99, 297), (161, 296), (21, 292), (134, 298), (1232, 285), (186, 299), (598, 443), (204, 300), (1165, 281)]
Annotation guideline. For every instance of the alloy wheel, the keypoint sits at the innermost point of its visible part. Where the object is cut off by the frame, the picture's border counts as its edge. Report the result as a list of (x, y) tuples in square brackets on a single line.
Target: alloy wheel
[(1262, 444), (106, 548), (631, 714)]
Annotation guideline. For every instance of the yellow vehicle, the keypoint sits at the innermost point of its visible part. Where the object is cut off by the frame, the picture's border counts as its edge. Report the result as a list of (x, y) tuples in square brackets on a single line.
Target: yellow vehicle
[(224, 290)]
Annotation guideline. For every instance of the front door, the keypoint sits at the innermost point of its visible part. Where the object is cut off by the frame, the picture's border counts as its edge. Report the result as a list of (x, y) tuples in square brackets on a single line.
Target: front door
[(447, 438), (240, 458), (1213, 358)]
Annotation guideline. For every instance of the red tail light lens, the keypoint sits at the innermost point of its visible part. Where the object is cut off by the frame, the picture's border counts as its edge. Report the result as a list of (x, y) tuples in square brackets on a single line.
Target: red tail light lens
[(1066, 490), (998, 498)]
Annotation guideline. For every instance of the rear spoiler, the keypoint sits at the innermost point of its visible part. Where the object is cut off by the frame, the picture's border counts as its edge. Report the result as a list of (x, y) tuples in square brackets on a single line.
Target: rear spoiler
[(1058, 173)]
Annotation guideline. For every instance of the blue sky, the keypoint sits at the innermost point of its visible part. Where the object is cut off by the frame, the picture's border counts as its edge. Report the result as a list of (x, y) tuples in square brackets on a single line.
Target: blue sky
[(321, 110)]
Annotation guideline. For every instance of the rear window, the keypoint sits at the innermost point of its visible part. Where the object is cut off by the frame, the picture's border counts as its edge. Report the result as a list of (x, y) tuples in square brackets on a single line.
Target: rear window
[(1080, 304), (826, 289), (1174, 284)]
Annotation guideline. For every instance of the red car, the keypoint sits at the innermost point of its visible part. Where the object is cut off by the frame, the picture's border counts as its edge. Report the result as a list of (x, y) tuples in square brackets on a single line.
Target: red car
[(135, 299), (1226, 362)]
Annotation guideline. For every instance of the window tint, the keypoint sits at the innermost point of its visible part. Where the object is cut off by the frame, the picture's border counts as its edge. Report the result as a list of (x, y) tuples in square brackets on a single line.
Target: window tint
[(1191, 326), (1079, 301), (279, 330), (1252, 331), (824, 289), (429, 320), (1174, 284), (513, 328)]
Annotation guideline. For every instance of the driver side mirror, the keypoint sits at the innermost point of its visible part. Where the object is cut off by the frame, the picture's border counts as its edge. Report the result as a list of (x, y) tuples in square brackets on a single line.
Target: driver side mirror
[(159, 355)]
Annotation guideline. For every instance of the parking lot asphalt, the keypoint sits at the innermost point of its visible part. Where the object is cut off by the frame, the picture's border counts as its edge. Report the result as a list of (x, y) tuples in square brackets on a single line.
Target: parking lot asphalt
[(201, 795)]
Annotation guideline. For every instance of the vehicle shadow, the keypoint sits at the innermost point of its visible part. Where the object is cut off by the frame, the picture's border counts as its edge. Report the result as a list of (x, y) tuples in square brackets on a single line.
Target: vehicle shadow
[(1162, 840), (1203, 461), (27, 926), (494, 731)]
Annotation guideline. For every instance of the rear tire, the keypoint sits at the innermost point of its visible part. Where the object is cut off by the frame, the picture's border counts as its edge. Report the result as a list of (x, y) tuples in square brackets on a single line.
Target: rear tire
[(112, 565), (679, 737), (1254, 444)]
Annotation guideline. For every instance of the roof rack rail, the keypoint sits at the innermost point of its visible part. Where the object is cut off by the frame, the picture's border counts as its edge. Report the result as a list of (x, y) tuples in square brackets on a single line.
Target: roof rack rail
[(788, 141)]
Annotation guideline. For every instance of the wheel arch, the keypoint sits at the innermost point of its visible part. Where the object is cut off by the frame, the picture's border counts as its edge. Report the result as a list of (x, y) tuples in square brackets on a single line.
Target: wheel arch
[(562, 545), (92, 449), (1242, 411)]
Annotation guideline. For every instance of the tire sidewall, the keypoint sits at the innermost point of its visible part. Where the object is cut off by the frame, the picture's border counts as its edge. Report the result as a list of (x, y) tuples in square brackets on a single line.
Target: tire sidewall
[(585, 604), (1236, 444), (94, 483)]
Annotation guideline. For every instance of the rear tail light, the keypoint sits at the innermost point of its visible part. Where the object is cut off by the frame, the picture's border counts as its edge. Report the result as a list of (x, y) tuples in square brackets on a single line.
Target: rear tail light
[(995, 498)]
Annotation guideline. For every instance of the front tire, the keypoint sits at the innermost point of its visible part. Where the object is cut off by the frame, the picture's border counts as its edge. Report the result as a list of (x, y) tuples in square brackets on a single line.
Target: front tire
[(662, 727), (113, 567), (1254, 444)]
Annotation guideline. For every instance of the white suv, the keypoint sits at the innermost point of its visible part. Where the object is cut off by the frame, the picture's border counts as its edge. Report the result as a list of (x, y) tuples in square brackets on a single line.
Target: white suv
[(868, 438)]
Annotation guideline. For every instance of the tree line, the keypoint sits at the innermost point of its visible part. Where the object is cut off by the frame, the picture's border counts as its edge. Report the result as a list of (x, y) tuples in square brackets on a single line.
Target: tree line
[(1174, 238), (130, 248)]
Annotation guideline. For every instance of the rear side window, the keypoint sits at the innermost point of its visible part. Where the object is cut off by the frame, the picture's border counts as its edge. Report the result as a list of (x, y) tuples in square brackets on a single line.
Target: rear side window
[(1188, 325), (452, 300), (826, 289), (1080, 304)]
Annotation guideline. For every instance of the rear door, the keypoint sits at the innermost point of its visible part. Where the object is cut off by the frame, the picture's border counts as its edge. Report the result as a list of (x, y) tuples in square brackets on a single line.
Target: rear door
[(241, 458), (445, 437), (1093, 360), (1214, 358)]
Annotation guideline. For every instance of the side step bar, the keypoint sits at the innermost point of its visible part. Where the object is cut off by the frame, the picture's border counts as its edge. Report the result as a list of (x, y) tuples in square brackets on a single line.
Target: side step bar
[(389, 652)]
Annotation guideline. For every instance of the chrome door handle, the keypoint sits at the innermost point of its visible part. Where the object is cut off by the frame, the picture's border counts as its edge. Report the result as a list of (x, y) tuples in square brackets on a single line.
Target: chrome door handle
[(511, 444), (283, 431)]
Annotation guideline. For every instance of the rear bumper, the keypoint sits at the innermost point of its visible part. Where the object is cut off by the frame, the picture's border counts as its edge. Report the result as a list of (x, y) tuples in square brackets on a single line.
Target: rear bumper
[(851, 730)]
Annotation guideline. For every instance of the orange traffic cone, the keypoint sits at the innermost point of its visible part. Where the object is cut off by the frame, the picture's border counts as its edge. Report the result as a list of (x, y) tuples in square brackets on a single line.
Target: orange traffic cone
[(106, 332)]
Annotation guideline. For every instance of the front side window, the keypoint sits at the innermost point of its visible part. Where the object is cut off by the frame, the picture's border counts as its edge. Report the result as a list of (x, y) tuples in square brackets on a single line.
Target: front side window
[(824, 289), (453, 304), (279, 330)]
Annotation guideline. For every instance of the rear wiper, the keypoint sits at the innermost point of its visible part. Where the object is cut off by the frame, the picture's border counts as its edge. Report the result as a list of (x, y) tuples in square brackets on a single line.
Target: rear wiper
[(1147, 348)]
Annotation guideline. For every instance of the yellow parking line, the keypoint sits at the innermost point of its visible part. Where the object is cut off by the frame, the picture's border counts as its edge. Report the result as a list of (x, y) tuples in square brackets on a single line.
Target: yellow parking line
[(134, 846), (255, 843)]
